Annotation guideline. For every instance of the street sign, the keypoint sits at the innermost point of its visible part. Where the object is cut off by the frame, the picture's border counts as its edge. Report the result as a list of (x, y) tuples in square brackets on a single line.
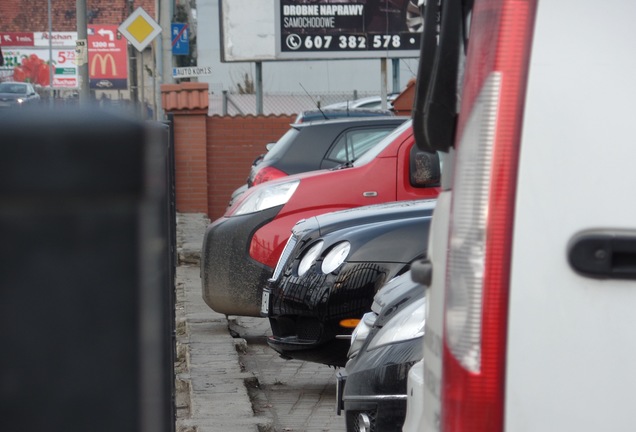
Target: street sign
[(191, 72), (140, 29), (180, 39)]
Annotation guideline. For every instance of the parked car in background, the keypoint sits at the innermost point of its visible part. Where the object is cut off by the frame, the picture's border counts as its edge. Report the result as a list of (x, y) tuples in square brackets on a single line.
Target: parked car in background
[(334, 113), (241, 248), (329, 271), (320, 144), (17, 94), (305, 149), (371, 102), (371, 389)]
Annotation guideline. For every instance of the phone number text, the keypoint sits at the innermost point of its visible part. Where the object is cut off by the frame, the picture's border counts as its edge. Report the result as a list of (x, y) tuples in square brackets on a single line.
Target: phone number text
[(349, 42)]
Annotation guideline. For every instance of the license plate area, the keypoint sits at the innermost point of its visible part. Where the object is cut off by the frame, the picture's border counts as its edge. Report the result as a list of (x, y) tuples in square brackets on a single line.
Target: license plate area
[(265, 302), (341, 379)]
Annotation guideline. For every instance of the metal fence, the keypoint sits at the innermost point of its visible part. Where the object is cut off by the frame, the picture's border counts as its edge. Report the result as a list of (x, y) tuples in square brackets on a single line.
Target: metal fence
[(221, 102), (224, 103)]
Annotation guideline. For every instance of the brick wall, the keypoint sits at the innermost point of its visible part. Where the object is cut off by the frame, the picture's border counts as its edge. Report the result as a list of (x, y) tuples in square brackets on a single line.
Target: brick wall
[(213, 155), (190, 163), (32, 15), (232, 145)]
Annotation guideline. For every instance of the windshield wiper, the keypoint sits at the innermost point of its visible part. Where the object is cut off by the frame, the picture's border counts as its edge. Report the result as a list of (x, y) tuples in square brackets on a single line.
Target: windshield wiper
[(348, 164)]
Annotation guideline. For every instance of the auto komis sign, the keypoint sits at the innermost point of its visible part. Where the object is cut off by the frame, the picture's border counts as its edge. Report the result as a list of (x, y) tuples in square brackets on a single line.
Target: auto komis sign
[(27, 55)]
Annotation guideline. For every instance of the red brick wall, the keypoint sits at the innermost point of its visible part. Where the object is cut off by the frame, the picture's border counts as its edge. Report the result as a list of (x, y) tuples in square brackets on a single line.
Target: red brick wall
[(232, 145), (190, 163), (32, 15)]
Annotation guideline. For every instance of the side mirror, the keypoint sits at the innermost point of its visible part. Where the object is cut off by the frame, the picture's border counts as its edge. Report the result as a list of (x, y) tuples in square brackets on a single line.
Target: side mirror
[(269, 146), (424, 168), (258, 160)]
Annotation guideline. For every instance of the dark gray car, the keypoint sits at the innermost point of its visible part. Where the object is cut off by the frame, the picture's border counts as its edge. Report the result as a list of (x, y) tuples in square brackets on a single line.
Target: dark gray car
[(17, 94), (321, 144)]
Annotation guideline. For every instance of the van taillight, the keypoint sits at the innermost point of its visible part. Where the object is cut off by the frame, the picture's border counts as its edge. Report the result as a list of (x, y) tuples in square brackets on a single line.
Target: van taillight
[(267, 174), (477, 277)]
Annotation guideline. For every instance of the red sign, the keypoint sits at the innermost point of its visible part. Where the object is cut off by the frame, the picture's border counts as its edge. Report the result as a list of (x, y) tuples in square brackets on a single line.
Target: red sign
[(16, 39), (107, 58)]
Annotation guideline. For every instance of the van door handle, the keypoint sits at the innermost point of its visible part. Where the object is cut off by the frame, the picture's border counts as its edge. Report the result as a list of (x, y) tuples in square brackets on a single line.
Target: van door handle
[(604, 254)]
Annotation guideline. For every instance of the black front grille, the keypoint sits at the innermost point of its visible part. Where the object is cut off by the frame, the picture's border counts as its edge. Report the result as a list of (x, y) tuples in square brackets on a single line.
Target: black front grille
[(308, 329)]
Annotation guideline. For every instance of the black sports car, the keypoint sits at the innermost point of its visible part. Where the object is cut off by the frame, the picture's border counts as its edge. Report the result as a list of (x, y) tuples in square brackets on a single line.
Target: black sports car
[(330, 270)]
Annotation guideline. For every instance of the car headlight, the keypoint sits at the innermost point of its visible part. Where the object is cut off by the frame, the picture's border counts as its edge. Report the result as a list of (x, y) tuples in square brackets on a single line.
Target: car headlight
[(360, 333), (309, 257), (407, 324), (335, 257), (20, 100), (267, 197)]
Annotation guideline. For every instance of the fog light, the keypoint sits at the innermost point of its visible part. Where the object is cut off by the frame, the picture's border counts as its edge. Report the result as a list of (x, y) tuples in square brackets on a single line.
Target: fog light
[(364, 423)]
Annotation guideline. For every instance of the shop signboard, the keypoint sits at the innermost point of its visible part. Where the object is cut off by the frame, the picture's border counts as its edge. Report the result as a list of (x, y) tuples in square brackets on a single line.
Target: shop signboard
[(107, 58)]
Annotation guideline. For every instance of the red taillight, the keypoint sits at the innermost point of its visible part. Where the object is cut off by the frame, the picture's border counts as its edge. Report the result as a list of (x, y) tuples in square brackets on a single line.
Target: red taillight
[(267, 174), (477, 280)]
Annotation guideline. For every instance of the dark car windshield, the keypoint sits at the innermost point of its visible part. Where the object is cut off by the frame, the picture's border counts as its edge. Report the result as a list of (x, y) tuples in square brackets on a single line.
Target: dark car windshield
[(377, 149), (13, 88)]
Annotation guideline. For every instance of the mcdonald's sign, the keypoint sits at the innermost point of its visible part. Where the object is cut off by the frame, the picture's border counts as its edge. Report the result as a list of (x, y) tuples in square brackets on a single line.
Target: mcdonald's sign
[(104, 60), (107, 58)]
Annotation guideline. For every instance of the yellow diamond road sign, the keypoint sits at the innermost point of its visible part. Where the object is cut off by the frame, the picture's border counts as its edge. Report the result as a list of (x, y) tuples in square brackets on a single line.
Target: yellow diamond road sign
[(140, 29)]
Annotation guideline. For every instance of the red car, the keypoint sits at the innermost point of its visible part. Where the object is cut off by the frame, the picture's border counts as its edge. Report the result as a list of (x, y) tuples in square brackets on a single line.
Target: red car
[(241, 249)]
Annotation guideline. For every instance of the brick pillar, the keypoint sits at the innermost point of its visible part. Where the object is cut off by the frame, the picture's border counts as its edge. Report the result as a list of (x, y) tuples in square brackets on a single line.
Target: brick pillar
[(189, 104)]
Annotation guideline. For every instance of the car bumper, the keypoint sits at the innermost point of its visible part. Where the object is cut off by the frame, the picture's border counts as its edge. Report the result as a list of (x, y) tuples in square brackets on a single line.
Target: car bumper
[(305, 312), (375, 389), (231, 280)]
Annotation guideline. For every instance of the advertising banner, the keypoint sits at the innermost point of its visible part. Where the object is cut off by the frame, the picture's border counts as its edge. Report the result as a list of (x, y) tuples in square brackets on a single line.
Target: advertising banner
[(107, 58), (33, 65), (356, 28), (57, 39), (14, 39)]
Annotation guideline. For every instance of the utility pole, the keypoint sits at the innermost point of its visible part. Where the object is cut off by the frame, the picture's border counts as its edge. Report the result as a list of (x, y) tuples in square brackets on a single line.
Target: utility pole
[(163, 51), (396, 75), (132, 51), (82, 34)]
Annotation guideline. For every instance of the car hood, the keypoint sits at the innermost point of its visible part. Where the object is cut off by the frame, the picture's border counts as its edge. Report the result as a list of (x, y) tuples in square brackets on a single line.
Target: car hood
[(334, 221), (393, 296)]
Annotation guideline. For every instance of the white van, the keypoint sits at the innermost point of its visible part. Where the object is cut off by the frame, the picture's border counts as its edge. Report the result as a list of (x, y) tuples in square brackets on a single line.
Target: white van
[(531, 319)]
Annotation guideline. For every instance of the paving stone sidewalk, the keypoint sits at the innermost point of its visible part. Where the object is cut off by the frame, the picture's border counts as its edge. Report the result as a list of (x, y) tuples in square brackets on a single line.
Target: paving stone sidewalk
[(211, 391), (225, 361)]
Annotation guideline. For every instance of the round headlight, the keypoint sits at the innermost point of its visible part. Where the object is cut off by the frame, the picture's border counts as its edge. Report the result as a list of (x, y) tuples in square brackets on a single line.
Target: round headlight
[(336, 257), (309, 257)]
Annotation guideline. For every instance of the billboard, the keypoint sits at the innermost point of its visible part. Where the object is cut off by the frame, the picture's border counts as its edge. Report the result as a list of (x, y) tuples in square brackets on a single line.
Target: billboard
[(356, 28), (261, 30), (32, 64), (107, 58), (26, 55)]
